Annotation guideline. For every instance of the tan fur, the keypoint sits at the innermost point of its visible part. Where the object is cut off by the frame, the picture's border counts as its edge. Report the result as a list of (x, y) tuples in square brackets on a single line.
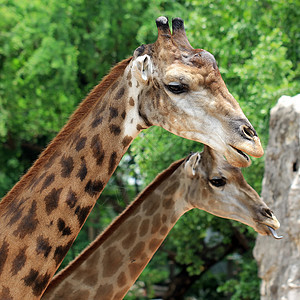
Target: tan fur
[(84, 108), (113, 262), (115, 225)]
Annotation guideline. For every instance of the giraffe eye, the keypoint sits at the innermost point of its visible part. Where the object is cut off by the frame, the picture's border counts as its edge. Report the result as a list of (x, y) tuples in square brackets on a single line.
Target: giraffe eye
[(177, 87), (218, 181)]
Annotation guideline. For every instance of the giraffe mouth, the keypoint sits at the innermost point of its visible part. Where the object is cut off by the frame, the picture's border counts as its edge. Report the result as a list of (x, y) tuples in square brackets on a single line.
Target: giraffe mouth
[(274, 233), (241, 153)]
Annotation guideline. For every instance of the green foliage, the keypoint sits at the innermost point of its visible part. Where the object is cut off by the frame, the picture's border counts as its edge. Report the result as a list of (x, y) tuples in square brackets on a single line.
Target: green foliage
[(240, 287), (52, 53)]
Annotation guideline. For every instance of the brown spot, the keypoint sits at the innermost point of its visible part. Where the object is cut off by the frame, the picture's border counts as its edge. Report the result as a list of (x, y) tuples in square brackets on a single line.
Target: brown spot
[(139, 127), (93, 188), (48, 180), (170, 190), (74, 138), (106, 291), (52, 159), (28, 223), (91, 279), (97, 149), (71, 198), (80, 294), (51, 200), (67, 166), (80, 144), (154, 244), (131, 101), (112, 162), (61, 251), (174, 219), (126, 141), (123, 115), (137, 251), (164, 218), (19, 261), (156, 223), (168, 203), (62, 291), (114, 86), (82, 213), (112, 261), (135, 269), (14, 208), (61, 225), (120, 93), (144, 227), (128, 77), (37, 282), (97, 121), (3, 255), (35, 181), (113, 113), (164, 230), (5, 294), (129, 240), (122, 279), (43, 246), (83, 170), (151, 206), (93, 261), (115, 129)]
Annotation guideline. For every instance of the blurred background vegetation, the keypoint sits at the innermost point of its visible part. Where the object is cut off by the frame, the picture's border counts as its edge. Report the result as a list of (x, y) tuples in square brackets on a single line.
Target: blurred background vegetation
[(53, 52)]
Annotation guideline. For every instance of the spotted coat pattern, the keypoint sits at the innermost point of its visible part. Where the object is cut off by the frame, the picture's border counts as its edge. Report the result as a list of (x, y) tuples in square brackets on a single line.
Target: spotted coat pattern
[(44, 212), (112, 263)]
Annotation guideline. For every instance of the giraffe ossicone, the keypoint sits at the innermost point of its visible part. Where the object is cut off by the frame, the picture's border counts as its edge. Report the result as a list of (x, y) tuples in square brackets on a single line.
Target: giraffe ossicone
[(112, 263), (168, 84)]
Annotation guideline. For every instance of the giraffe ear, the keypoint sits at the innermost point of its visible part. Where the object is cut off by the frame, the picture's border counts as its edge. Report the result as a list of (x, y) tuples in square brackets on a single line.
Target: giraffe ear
[(191, 164), (143, 67)]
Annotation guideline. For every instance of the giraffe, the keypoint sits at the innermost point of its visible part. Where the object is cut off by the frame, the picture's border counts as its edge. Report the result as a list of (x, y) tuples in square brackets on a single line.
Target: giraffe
[(111, 264), (167, 84)]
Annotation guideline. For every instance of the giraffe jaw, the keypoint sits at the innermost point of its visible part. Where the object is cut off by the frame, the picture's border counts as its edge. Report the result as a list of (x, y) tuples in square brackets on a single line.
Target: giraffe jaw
[(242, 154), (236, 157)]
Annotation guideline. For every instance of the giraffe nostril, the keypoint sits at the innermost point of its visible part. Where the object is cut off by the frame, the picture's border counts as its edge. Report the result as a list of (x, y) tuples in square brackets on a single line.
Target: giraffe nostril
[(266, 212), (248, 132)]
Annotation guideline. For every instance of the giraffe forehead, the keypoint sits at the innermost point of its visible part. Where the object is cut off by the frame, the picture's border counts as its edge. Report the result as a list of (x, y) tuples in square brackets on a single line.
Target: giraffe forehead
[(179, 72), (191, 74)]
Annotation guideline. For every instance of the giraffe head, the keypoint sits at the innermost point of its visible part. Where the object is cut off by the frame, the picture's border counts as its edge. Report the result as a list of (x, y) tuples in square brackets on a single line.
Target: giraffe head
[(185, 94), (220, 189)]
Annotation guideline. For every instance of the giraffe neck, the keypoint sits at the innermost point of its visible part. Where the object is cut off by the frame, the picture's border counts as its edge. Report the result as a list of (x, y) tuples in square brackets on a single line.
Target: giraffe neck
[(45, 211), (112, 263)]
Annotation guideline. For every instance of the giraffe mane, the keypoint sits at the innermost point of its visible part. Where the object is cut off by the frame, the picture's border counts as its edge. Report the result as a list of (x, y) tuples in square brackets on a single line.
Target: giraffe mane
[(85, 107), (114, 225)]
